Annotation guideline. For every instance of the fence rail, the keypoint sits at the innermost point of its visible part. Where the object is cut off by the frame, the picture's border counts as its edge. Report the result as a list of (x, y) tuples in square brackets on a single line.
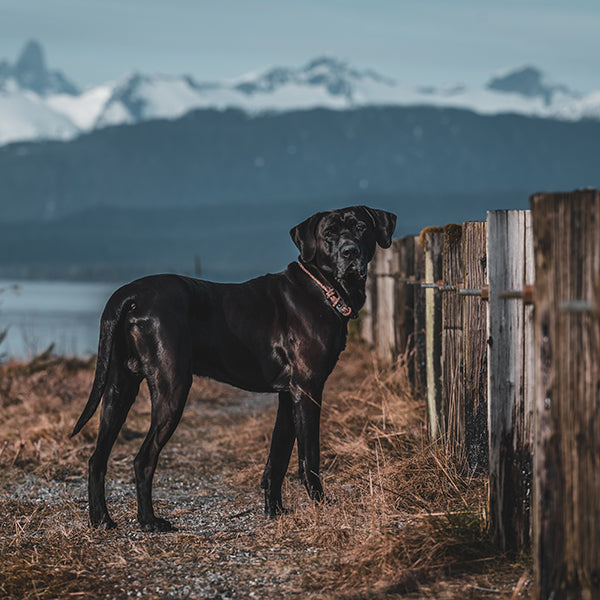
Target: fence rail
[(500, 321)]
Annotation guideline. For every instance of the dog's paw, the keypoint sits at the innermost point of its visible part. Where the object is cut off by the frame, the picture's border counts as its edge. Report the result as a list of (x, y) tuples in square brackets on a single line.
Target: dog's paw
[(157, 524), (273, 514), (275, 510), (105, 522), (316, 494)]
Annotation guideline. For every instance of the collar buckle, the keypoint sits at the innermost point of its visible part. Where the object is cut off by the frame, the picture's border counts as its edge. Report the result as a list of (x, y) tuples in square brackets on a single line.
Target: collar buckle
[(330, 293)]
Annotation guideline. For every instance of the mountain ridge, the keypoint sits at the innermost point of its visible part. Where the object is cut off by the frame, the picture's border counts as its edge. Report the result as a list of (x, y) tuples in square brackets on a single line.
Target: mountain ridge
[(323, 82), (228, 157)]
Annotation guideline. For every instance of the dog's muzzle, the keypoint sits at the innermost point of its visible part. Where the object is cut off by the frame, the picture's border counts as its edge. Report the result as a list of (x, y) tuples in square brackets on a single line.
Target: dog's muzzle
[(351, 261)]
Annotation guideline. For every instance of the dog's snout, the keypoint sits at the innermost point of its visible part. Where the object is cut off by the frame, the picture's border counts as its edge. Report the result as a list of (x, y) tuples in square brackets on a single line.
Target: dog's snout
[(350, 251)]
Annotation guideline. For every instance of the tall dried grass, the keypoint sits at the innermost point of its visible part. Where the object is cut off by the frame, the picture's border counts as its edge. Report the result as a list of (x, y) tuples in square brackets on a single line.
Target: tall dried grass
[(401, 510), (401, 518)]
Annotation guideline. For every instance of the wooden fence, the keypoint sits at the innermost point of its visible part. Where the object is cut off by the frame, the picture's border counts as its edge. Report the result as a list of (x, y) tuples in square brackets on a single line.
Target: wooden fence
[(499, 323)]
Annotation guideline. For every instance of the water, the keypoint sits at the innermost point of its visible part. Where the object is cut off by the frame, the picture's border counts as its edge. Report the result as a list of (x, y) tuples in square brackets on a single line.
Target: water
[(39, 313)]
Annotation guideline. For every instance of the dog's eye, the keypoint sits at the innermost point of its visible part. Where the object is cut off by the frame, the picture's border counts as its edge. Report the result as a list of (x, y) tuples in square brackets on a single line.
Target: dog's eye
[(360, 228), (329, 233)]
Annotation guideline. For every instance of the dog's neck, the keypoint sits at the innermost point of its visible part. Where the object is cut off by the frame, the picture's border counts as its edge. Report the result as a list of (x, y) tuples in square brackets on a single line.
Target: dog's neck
[(347, 300)]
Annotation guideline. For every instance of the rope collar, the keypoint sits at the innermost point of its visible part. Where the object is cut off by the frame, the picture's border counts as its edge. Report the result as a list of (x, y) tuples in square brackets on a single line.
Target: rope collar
[(334, 298)]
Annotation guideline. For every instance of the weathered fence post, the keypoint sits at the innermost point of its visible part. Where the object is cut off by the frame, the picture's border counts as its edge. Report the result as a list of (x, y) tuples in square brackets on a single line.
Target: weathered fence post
[(367, 314), (404, 299), (474, 239), (452, 342), (566, 546), (432, 240), (385, 339), (419, 379), (510, 377)]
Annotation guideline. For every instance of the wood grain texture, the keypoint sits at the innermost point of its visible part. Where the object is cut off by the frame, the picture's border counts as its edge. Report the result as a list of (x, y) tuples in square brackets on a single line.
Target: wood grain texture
[(510, 390), (452, 411), (367, 314), (404, 300), (474, 241), (566, 549), (419, 380), (432, 240), (385, 334)]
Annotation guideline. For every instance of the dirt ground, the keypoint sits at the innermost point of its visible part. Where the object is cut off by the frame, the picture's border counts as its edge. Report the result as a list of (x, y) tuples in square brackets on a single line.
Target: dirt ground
[(403, 520)]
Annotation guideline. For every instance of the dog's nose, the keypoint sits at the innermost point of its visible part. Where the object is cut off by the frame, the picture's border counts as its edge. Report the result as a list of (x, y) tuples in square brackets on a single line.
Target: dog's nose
[(350, 251)]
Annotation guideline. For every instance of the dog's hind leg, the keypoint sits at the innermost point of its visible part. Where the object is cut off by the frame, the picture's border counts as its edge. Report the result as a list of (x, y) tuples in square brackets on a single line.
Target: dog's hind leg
[(282, 443), (121, 391), (168, 391)]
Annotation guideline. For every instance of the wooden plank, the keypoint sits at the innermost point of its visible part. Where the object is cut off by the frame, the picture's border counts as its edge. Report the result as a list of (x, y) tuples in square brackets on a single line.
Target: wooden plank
[(419, 374), (385, 334), (566, 551), (510, 397), (367, 314), (404, 300), (452, 366), (432, 240), (475, 346)]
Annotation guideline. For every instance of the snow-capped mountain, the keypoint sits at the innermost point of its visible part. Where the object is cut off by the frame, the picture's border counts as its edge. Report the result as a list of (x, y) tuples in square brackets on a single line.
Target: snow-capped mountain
[(30, 73), (37, 103), (322, 82), (332, 83), (26, 116), (530, 83), (335, 76)]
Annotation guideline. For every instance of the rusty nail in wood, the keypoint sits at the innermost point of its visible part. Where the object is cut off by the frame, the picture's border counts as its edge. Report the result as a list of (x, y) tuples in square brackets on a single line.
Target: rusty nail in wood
[(483, 291), (454, 287), (527, 294), (412, 280)]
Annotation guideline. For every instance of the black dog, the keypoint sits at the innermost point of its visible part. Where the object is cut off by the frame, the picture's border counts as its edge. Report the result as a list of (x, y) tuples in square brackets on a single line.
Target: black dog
[(276, 333)]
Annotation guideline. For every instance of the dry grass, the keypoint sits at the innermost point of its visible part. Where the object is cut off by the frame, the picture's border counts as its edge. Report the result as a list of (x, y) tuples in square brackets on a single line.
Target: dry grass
[(402, 520)]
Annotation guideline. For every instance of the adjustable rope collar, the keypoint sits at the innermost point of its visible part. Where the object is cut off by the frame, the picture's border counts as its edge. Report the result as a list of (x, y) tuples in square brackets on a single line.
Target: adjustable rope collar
[(334, 298)]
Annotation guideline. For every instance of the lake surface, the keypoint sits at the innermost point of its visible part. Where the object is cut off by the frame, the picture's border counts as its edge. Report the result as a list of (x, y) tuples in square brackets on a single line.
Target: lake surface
[(39, 313)]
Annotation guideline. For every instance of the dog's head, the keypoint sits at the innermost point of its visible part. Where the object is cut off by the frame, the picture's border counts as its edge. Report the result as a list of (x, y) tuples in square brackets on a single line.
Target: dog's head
[(342, 242)]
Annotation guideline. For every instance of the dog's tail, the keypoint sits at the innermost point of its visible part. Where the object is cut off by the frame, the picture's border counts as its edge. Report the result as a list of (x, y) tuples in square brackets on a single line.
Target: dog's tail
[(111, 317)]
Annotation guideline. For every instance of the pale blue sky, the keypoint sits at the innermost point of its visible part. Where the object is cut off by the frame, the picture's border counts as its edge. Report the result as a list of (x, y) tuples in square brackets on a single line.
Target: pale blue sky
[(415, 41)]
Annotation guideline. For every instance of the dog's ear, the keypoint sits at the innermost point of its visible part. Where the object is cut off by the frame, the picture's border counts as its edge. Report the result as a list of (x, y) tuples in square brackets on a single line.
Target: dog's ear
[(384, 222), (305, 237)]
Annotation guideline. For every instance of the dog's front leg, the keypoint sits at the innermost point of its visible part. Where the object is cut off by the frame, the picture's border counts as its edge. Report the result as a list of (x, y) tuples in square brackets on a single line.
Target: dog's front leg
[(282, 442), (307, 416)]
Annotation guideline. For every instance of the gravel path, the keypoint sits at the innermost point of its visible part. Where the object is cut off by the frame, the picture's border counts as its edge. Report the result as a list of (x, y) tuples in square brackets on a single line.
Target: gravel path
[(207, 486)]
